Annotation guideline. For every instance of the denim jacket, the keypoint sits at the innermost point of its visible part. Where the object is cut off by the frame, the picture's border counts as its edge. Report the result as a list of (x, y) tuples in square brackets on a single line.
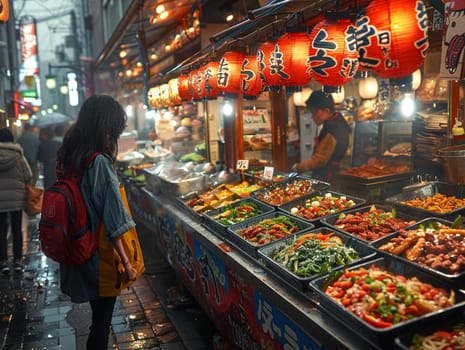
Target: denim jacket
[(100, 188)]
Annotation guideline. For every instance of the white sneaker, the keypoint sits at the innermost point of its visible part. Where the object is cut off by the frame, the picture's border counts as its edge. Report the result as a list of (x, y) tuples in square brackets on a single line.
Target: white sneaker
[(18, 266), (5, 267)]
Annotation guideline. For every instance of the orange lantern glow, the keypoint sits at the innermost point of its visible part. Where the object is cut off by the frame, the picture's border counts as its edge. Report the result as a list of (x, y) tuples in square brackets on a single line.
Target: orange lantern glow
[(174, 92), (154, 97), (229, 72), (194, 84), (251, 84), (183, 87), (209, 85), (289, 60), (333, 52), (264, 58), (392, 37)]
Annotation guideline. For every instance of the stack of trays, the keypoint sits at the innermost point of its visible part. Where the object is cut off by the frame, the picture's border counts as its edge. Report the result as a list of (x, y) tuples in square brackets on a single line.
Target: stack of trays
[(331, 291), (316, 206), (431, 245), (218, 220), (369, 223), (301, 258), (264, 229)]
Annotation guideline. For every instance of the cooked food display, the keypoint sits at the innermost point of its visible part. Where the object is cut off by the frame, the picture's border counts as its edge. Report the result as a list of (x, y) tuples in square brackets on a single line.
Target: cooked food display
[(434, 245), (318, 206), (383, 299), (211, 199), (278, 195), (259, 173), (245, 188), (376, 168), (372, 224), (314, 253), (269, 230), (442, 339), (438, 203), (233, 214)]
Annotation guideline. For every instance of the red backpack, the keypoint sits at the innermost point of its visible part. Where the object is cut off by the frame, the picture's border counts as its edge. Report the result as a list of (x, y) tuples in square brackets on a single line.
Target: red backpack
[(64, 228)]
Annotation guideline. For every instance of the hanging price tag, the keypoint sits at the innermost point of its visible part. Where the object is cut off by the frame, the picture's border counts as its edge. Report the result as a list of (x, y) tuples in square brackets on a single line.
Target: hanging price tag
[(242, 164), (268, 173)]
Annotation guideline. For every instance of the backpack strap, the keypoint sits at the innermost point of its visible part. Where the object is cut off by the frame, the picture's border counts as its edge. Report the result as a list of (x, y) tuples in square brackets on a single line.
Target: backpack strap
[(60, 174)]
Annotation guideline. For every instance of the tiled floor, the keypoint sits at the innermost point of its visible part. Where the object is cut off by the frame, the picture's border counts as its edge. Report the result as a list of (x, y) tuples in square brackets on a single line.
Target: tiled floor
[(34, 314)]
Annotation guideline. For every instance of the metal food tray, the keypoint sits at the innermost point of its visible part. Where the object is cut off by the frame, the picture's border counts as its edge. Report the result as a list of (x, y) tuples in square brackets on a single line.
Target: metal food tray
[(331, 219), (218, 228), (383, 336), (234, 238), (250, 174), (183, 199), (455, 279), (301, 201), (429, 191), (316, 186), (302, 283), (405, 340), (374, 179)]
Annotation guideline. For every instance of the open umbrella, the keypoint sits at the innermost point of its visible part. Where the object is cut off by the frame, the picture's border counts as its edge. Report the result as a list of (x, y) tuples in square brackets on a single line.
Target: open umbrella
[(53, 119)]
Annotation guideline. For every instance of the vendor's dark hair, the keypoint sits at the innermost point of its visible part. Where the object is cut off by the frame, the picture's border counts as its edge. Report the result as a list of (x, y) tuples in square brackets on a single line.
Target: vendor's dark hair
[(100, 122), (6, 135), (320, 100)]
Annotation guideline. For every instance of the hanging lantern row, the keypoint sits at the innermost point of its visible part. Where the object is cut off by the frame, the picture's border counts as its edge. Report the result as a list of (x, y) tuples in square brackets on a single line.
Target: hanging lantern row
[(390, 39)]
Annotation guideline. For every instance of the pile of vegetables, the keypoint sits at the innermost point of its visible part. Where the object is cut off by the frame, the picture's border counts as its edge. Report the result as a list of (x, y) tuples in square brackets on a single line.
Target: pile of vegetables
[(383, 299), (318, 206), (233, 214), (269, 230), (314, 254)]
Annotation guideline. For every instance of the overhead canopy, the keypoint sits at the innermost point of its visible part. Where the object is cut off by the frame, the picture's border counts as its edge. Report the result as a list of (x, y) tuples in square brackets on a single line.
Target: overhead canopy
[(167, 46)]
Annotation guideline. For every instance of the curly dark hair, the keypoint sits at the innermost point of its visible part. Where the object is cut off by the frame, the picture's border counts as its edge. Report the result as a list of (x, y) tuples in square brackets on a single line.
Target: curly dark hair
[(6, 135), (100, 123)]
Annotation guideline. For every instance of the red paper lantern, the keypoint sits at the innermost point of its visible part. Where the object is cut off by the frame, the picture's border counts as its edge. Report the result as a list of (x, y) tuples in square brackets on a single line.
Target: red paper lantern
[(251, 84), (333, 52), (289, 60), (183, 88), (209, 85), (194, 84), (392, 37), (229, 72), (264, 59)]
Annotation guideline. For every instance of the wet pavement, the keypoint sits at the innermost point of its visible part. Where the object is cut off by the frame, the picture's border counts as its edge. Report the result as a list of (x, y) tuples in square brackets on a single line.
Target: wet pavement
[(152, 314)]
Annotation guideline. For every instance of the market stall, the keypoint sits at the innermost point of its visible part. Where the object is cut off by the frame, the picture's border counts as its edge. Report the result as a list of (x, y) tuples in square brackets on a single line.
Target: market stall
[(253, 301)]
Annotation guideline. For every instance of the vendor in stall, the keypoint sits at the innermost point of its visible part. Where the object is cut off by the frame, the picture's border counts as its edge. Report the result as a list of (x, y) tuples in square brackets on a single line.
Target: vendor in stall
[(332, 141)]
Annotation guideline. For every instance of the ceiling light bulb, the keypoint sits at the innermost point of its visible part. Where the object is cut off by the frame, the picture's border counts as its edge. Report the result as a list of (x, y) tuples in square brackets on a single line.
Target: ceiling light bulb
[(229, 17), (164, 15), (123, 53), (160, 9)]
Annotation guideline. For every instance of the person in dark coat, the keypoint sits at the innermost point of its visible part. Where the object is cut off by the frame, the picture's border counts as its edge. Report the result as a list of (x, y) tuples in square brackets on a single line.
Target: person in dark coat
[(15, 173), (332, 141), (47, 152)]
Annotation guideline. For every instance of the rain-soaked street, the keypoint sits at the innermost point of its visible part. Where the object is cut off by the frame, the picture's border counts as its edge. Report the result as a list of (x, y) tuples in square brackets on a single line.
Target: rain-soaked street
[(152, 314)]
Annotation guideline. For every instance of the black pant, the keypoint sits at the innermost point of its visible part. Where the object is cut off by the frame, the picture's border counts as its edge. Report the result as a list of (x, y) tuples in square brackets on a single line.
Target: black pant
[(102, 312), (16, 218)]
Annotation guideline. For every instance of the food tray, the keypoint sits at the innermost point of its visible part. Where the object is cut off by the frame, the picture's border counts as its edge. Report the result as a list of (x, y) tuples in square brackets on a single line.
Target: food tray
[(185, 199), (302, 283), (316, 186), (384, 336), (405, 340), (456, 279), (374, 179), (250, 248), (219, 228), (287, 208), (254, 174), (331, 220), (429, 191)]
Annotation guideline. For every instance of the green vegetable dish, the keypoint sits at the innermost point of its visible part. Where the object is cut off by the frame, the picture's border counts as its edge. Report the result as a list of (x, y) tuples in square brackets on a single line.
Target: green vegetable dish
[(314, 254)]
